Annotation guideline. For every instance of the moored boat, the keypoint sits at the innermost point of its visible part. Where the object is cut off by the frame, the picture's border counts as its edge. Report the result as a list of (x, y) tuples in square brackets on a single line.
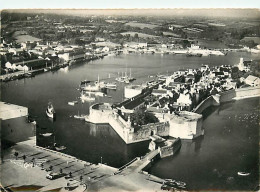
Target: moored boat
[(50, 112), (46, 134), (241, 173), (72, 103), (86, 98), (110, 85)]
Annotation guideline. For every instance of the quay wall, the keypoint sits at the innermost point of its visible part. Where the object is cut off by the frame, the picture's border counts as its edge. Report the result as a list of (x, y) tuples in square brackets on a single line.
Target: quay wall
[(227, 96), (16, 130)]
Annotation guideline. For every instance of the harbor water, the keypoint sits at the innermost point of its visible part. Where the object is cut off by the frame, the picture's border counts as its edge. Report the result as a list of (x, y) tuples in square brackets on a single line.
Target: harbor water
[(209, 162)]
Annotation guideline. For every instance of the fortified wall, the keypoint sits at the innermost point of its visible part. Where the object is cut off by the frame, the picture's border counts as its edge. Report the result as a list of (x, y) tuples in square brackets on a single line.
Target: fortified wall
[(160, 129), (227, 96), (102, 113)]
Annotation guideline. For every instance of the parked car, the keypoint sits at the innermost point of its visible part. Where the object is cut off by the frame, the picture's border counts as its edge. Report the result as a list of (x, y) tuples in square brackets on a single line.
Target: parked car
[(53, 176)]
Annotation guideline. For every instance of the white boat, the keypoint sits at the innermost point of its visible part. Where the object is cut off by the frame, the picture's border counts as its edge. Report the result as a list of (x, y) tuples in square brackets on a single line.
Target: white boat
[(110, 86), (72, 103), (96, 87), (243, 173), (86, 98), (60, 148), (92, 88), (79, 116), (46, 134), (50, 112), (100, 94)]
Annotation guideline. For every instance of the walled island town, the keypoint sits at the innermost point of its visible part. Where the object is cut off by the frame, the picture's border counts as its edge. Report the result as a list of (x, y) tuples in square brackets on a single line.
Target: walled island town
[(133, 100)]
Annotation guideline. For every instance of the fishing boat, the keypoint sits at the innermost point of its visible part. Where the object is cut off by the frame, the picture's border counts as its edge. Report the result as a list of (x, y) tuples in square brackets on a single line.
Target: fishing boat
[(241, 173), (50, 112)]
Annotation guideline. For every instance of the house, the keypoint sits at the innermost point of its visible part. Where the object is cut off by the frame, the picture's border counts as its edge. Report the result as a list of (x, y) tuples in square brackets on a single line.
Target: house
[(72, 55), (244, 65), (105, 49), (32, 64), (252, 80), (159, 92), (15, 51), (184, 100), (28, 45), (132, 90)]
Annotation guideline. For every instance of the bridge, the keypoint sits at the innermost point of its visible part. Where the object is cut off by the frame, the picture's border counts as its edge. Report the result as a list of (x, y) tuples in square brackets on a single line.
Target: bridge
[(140, 163)]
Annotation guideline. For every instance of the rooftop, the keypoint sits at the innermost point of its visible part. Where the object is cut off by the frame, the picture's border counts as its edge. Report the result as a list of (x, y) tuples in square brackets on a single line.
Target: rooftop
[(185, 116)]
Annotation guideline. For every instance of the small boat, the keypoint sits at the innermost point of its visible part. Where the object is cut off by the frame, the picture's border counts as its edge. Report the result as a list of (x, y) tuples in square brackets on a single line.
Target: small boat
[(60, 148), (86, 98), (50, 112), (72, 103), (99, 94), (79, 116), (85, 81), (46, 134), (111, 86), (243, 173)]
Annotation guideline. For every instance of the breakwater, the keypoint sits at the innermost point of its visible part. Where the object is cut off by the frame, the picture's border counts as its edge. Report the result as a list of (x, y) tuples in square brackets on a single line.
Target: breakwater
[(234, 94)]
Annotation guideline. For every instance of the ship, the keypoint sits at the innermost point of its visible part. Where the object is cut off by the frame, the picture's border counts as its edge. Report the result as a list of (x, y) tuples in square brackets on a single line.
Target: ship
[(50, 112), (98, 85), (125, 79)]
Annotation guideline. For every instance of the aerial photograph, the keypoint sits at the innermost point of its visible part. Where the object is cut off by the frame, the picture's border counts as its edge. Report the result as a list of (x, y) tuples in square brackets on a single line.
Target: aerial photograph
[(129, 100)]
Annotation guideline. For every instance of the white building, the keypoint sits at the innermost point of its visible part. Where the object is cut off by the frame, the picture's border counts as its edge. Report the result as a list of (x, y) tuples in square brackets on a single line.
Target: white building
[(132, 90), (184, 99), (252, 80)]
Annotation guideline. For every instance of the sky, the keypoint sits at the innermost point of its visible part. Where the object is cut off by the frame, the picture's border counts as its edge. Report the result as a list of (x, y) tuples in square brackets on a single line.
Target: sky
[(104, 4)]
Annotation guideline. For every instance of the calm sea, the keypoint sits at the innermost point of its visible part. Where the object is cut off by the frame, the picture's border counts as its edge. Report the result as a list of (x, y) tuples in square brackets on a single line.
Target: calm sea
[(209, 162)]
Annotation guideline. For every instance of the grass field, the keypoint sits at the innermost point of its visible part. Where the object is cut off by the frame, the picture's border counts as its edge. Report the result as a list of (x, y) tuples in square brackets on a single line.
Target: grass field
[(171, 34), (141, 25), (255, 39), (142, 35), (25, 38)]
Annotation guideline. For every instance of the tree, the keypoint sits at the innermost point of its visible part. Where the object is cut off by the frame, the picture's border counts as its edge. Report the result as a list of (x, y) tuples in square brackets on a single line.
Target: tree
[(16, 154), (24, 157), (61, 171), (141, 117)]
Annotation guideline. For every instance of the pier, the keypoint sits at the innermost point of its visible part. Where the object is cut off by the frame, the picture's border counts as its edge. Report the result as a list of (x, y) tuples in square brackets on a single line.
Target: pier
[(85, 176)]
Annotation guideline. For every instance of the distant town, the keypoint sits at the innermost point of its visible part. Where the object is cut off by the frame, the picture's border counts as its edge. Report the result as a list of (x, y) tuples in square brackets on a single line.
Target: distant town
[(166, 109)]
